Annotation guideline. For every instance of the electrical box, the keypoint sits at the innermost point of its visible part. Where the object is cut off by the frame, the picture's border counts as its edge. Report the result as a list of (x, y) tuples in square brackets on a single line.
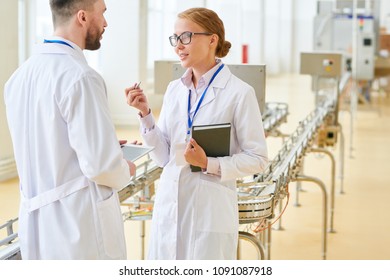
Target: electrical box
[(327, 136), (163, 74), (365, 64), (322, 64)]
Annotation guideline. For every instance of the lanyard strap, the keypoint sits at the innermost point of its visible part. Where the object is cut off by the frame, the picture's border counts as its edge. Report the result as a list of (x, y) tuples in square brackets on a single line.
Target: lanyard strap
[(58, 42), (190, 121)]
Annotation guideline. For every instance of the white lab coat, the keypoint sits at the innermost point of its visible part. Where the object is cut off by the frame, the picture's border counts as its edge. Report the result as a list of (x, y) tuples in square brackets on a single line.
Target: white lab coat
[(195, 215), (68, 157)]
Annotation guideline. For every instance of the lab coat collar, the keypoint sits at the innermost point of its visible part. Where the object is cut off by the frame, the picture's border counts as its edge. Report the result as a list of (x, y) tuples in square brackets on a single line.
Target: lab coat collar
[(220, 81), (186, 79), (75, 51)]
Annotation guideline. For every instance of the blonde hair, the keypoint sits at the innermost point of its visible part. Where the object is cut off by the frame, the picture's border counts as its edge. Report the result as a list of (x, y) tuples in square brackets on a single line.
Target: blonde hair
[(210, 21)]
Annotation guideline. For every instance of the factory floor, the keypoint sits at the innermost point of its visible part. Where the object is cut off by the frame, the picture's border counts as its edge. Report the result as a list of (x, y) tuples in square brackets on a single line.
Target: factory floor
[(361, 213)]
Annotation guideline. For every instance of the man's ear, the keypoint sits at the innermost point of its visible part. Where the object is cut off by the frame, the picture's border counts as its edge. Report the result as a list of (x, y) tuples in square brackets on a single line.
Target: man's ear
[(82, 17)]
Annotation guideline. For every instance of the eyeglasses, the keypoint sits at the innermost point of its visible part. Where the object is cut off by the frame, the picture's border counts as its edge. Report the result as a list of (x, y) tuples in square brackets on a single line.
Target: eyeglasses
[(185, 37)]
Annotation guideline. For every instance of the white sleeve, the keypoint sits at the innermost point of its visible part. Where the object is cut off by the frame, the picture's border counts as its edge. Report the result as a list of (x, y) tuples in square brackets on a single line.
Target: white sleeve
[(92, 134), (252, 156), (155, 136)]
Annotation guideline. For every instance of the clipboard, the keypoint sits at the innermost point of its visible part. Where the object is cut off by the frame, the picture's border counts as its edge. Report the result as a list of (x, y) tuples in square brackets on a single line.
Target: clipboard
[(134, 152)]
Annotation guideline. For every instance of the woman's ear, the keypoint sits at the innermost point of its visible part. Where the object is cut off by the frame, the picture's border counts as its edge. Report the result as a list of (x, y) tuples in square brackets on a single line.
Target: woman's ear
[(214, 39)]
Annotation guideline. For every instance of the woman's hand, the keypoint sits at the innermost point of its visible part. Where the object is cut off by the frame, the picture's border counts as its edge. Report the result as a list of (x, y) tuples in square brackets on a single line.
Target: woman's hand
[(136, 98), (195, 155)]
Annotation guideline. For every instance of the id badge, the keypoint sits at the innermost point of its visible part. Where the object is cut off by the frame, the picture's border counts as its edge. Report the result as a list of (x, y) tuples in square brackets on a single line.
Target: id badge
[(179, 152)]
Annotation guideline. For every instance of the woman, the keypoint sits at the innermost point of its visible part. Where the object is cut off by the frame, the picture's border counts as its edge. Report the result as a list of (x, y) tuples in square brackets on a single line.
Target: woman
[(195, 213)]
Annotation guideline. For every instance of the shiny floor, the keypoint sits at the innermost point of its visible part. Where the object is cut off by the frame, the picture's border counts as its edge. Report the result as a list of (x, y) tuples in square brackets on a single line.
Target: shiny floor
[(361, 213)]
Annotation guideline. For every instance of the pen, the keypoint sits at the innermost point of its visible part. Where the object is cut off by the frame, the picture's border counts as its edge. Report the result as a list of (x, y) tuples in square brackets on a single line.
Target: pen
[(137, 85)]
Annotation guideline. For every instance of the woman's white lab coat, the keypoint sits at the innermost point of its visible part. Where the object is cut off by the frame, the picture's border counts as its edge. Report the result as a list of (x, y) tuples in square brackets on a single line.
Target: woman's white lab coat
[(68, 157), (195, 215)]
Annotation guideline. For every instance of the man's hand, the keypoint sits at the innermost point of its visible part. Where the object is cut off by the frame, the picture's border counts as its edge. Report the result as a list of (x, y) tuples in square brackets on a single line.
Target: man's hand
[(132, 168)]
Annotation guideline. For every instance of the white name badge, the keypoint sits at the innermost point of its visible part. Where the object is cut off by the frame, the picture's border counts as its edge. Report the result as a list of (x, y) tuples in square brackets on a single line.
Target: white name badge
[(179, 151)]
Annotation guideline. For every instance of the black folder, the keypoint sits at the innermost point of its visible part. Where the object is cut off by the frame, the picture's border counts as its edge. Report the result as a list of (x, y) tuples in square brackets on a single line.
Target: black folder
[(214, 139)]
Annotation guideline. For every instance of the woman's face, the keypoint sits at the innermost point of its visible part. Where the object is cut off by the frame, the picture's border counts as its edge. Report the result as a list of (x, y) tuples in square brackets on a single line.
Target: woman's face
[(200, 52)]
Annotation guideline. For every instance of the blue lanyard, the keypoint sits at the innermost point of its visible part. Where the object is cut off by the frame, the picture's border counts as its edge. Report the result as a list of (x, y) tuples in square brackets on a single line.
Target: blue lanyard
[(190, 122), (58, 42)]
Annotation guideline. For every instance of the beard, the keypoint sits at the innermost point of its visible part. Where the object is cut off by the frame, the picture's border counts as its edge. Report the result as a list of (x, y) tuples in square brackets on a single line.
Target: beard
[(92, 41)]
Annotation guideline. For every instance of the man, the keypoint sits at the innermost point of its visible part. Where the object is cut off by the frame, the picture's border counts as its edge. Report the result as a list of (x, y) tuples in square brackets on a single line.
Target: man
[(69, 160)]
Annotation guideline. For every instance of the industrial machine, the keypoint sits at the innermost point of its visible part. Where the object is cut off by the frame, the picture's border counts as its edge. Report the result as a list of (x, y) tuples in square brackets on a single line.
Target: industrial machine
[(350, 27), (260, 196)]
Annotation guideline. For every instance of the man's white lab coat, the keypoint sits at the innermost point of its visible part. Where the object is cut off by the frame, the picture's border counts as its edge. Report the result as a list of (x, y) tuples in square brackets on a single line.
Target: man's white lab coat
[(68, 157), (195, 215)]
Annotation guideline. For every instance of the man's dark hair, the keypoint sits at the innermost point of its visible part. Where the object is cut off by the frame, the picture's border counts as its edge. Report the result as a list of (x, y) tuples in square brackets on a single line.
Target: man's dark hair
[(63, 10)]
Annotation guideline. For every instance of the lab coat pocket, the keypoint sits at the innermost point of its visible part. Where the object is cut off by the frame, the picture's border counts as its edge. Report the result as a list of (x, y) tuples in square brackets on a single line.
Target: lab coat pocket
[(216, 208), (111, 226)]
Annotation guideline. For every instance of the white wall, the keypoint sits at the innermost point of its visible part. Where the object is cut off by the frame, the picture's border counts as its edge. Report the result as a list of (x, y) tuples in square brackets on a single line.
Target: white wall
[(8, 62), (304, 13), (119, 63), (385, 14)]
